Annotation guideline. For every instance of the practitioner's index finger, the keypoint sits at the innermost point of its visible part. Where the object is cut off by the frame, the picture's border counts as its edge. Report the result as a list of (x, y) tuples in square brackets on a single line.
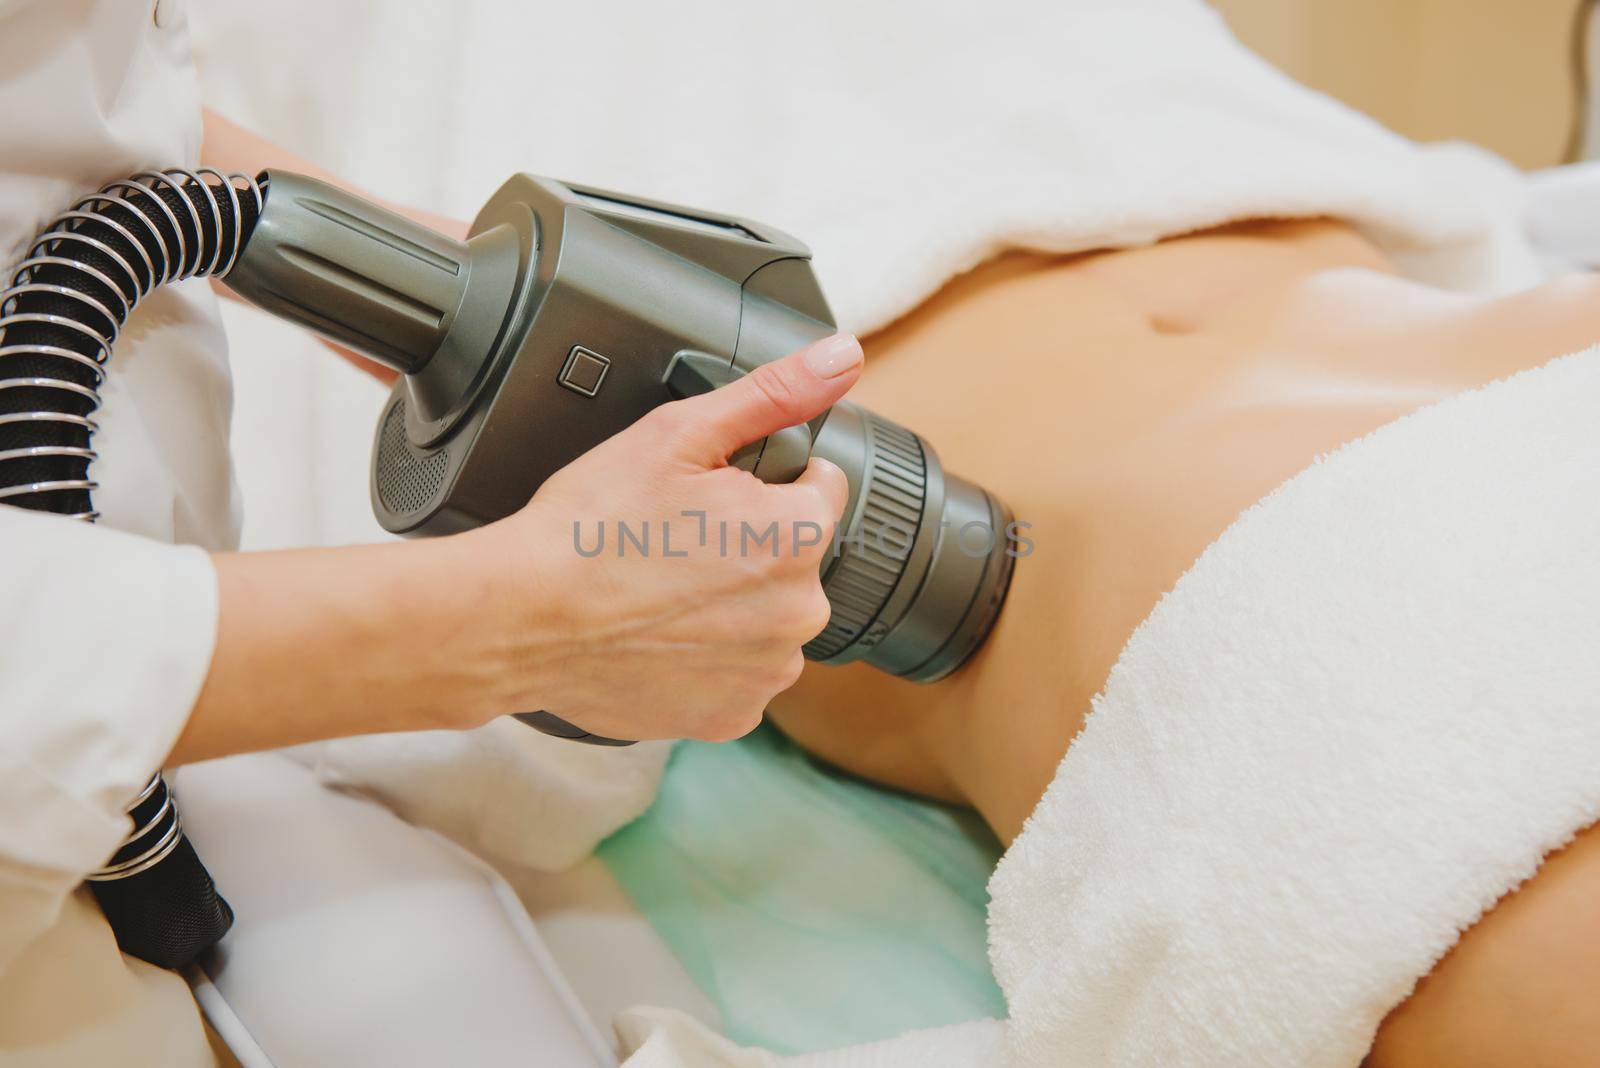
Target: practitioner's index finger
[(784, 393)]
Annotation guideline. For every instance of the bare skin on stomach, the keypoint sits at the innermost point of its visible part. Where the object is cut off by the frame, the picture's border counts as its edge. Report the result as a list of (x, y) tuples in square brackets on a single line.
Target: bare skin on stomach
[(1129, 405)]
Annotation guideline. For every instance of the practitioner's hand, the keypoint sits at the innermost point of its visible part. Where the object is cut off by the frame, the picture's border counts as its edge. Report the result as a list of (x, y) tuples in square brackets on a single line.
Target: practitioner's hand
[(690, 616)]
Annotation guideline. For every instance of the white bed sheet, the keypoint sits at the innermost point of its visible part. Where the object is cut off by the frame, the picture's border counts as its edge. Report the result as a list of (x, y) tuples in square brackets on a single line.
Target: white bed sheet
[(360, 939)]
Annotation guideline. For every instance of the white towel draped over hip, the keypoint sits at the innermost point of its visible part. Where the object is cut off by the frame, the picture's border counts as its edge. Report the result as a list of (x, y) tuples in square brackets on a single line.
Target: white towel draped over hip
[(1361, 718)]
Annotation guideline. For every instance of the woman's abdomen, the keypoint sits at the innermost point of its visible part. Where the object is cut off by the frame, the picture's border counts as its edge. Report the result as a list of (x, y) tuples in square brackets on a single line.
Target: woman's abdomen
[(1128, 406)]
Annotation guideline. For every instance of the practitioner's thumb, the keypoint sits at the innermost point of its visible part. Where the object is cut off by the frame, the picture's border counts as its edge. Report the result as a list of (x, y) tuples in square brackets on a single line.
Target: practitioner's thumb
[(775, 395)]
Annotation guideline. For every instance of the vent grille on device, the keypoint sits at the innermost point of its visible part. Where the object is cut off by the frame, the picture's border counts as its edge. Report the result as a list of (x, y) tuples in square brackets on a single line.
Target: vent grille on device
[(406, 481)]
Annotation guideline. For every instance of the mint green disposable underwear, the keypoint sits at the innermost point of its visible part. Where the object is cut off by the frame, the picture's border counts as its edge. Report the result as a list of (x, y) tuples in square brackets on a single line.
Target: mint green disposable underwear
[(814, 910)]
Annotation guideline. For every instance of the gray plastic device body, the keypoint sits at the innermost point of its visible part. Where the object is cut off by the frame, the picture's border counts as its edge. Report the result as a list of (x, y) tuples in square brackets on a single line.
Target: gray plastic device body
[(567, 314)]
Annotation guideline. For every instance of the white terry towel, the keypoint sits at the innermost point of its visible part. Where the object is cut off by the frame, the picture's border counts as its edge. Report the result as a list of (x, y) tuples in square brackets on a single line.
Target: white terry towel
[(1362, 717), (906, 141), (1367, 712)]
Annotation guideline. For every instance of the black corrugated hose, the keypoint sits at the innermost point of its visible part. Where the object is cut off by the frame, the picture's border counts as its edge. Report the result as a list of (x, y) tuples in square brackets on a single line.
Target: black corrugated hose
[(60, 316)]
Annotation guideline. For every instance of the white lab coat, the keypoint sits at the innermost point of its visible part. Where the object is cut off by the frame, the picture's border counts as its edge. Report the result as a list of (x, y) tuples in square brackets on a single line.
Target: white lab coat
[(106, 632)]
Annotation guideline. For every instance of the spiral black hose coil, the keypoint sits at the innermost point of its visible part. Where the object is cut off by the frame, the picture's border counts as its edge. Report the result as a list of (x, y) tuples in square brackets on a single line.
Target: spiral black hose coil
[(61, 313)]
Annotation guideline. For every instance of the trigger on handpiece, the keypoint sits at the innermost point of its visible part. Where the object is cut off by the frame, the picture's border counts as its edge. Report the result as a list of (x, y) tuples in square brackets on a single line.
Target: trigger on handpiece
[(692, 373), (785, 455), (777, 458)]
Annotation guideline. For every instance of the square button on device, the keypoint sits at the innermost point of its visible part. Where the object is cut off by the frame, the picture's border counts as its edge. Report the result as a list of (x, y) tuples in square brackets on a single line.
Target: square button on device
[(584, 371)]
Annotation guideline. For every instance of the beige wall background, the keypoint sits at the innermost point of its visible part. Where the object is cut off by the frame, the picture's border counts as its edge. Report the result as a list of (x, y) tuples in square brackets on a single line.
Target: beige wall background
[(1497, 72)]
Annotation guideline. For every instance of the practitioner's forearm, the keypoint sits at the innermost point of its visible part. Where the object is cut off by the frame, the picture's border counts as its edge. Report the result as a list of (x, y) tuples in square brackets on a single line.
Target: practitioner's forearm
[(514, 616), (229, 147), (326, 643)]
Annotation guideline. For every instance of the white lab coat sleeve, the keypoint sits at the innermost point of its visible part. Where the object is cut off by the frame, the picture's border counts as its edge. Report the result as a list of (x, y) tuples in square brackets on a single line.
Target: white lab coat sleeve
[(105, 640)]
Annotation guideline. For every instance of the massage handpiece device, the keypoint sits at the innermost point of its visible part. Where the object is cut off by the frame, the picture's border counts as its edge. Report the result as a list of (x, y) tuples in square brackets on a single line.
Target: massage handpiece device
[(567, 314)]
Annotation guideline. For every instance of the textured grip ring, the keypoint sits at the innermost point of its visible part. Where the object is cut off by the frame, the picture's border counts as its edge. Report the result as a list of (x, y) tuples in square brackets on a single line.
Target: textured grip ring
[(874, 554)]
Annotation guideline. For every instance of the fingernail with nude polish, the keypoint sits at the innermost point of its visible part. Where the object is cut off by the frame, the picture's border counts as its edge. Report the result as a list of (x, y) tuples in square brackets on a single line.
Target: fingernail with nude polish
[(833, 356)]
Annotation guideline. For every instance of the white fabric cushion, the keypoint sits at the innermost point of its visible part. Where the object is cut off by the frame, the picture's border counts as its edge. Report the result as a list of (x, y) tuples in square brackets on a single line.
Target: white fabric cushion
[(360, 939)]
